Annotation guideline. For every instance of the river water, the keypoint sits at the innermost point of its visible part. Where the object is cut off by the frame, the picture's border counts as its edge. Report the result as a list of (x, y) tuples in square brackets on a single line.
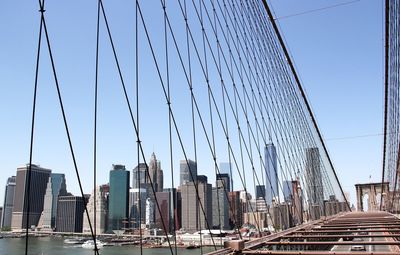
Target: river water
[(56, 246)]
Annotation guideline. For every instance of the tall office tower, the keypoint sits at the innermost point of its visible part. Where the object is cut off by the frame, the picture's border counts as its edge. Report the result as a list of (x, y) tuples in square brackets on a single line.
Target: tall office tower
[(271, 171), (223, 181), (226, 168), (260, 191), (38, 180), (156, 173), (192, 215), (70, 214), (137, 205), (98, 194), (185, 169), (118, 210), (149, 213), (8, 203), (163, 216), (297, 202), (160, 178), (287, 191), (315, 191), (281, 215), (139, 176), (169, 211), (236, 213), (220, 205), (55, 187)]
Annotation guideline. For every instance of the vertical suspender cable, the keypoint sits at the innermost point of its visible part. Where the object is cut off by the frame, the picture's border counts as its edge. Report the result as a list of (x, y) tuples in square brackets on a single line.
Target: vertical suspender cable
[(27, 188), (95, 125)]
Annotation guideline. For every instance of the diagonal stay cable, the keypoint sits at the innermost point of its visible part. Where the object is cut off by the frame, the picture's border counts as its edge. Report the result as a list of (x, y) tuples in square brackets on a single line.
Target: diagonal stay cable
[(28, 187), (63, 113), (134, 123)]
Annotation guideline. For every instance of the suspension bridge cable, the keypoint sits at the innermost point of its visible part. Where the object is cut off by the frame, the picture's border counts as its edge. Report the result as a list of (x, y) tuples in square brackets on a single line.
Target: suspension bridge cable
[(170, 109), (134, 122), (28, 187), (95, 125), (43, 22), (174, 196)]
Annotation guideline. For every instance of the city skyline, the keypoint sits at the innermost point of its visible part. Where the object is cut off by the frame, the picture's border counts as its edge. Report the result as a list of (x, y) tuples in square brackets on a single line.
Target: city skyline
[(15, 150)]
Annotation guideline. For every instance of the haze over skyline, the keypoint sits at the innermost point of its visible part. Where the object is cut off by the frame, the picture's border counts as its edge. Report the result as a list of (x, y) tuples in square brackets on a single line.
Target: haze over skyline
[(337, 52)]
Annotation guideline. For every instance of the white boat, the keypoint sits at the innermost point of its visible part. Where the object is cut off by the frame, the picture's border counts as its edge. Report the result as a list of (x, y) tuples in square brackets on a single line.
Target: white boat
[(74, 241), (89, 244)]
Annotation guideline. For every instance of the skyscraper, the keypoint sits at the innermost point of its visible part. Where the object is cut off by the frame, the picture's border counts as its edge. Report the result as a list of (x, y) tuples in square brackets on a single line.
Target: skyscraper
[(139, 176), (55, 187), (192, 214), (271, 172), (39, 179), (315, 190), (8, 203), (260, 191), (70, 214), (156, 173), (118, 210), (236, 212), (163, 216), (223, 181), (220, 202), (137, 206), (101, 210), (287, 191), (226, 168), (188, 171)]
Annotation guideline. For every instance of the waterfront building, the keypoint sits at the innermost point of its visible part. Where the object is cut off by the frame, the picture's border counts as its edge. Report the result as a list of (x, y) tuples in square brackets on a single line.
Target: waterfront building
[(163, 217), (118, 210), (70, 214), (257, 219), (260, 191), (297, 202), (220, 209), (8, 203), (271, 171), (56, 186), (137, 205), (188, 171), (281, 216), (223, 181), (192, 212), (261, 205), (169, 202), (315, 190), (156, 173), (235, 212), (287, 191), (226, 168), (139, 176), (38, 178), (100, 195), (149, 213)]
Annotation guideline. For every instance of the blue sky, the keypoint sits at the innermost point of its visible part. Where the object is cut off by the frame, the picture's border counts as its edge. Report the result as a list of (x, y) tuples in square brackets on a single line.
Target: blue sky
[(337, 52)]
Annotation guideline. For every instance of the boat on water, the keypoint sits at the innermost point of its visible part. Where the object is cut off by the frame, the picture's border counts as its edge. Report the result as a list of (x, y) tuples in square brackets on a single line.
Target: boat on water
[(89, 244), (75, 240), (193, 246)]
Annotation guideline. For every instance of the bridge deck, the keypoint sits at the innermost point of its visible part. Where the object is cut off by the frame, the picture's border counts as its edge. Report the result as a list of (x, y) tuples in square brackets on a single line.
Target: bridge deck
[(374, 232)]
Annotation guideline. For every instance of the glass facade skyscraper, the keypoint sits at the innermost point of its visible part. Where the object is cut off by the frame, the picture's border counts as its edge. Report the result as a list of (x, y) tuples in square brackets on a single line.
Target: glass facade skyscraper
[(8, 203), (39, 179), (188, 171), (118, 210), (225, 168), (271, 172)]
